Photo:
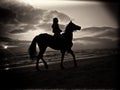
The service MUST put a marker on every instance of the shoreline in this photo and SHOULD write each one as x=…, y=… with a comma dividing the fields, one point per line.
x=17, y=66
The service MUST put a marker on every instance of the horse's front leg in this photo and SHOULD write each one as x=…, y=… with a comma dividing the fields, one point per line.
x=62, y=58
x=72, y=53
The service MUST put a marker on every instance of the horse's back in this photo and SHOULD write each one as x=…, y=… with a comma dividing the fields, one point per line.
x=44, y=35
x=55, y=42
x=51, y=37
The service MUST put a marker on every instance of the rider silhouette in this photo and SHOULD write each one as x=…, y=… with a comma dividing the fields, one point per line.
x=55, y=26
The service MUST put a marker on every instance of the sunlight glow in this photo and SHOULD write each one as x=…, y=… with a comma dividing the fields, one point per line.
x=5, y=46
x=7, y=68
x=30, y=34
x=45, y=2
x=52, y=3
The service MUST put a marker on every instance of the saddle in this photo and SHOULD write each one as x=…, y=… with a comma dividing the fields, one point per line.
x=58, y=36
x=60, y=39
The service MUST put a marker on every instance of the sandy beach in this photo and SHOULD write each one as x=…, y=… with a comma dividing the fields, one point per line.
x=94, y=73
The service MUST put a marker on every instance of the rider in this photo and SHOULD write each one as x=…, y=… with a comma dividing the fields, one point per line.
x=55, y=26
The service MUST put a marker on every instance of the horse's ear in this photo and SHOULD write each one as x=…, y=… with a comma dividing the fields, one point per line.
x=71, y=21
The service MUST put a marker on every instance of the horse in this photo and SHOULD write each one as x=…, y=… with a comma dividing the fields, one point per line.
x=62, y=43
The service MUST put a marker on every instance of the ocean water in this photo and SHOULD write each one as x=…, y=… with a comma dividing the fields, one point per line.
x=18, y=57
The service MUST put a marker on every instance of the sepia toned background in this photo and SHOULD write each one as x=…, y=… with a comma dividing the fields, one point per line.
x=22, y=20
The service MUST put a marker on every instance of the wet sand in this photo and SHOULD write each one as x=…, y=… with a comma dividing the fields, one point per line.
x=94, y=73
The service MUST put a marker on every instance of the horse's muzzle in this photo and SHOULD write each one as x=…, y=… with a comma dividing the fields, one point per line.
x=79, y=28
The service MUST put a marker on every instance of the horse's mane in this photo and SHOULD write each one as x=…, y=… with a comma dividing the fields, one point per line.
x=67, y=27
x=70, y=27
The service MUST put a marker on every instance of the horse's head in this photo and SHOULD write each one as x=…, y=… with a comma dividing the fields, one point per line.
x=72, y=27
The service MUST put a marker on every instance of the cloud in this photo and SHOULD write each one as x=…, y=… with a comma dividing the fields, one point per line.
x=94, y=39
x=108, y=33
x=22, y=28
x=17, y=31
x=49, y=15
x=91, y=43
x=99, y=37
x=47, y=26
x=99, y=32
x=7, y=16
x=6, y=28
x=25, y=13
x=5, y=39
x=23, y=18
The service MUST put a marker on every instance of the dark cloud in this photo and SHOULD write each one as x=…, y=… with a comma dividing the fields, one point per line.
x=22, y=29
x=6, y=15
x=17, y=31
x=5, y=28
x=5, y=39
x=25, y=13
x=15, y=13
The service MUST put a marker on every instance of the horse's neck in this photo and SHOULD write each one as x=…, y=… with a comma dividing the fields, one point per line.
x=68, y=36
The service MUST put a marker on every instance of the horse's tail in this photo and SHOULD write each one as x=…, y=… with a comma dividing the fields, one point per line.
x=32, y=48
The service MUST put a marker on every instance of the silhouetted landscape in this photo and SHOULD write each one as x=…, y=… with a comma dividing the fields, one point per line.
x=16, y=54
x=97, y=68
x=97, y=64
x=96, y=45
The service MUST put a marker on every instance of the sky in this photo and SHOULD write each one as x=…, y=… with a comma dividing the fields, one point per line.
x=24, y=19
x=85, y=13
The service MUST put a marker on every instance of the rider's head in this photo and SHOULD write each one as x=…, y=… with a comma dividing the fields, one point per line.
x=55, y=20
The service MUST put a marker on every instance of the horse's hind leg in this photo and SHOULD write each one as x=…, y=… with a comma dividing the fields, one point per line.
x=72, y=53
x=37, y=63
x=40, y=56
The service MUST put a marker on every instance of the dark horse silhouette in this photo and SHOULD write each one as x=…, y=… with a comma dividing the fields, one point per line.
x=63, y=43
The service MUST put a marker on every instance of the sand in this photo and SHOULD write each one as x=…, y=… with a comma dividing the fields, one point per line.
x=94, y=73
